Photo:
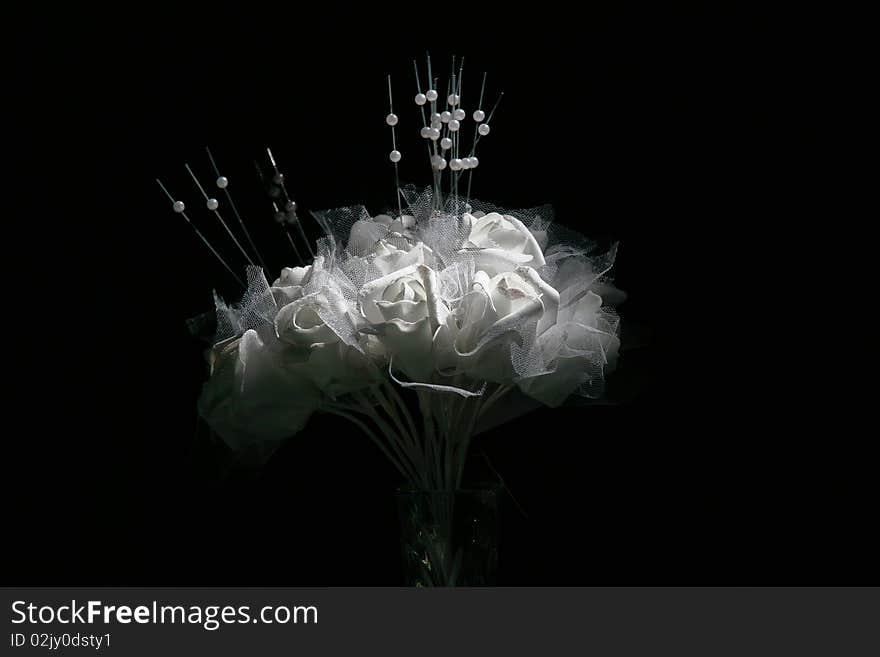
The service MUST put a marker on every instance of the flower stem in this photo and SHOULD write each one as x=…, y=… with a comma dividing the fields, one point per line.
x=407, y=473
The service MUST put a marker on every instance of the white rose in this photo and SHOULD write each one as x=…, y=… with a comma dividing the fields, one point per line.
x=388, y=258
x=404, y=307
x=579, y=350
x=401, y=225
x=334, y=366
x=258, y=393
x=501, y=243
x=289, y=286
x=477, y=337
x=365, y=233
x=300, y=321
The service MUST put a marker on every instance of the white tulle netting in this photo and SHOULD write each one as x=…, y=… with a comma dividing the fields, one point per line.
x=508, y=296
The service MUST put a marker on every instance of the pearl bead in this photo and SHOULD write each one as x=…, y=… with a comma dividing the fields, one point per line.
x=453, y=99
x=445, y=116
x=431, y=95
x=464, y=164
x=479, y=115
x=213, y=204
x=420, y=99
x=455, y=164
x=483, y=129
x=291, y=206
x=278, y=178
x=178, y=206
x=222, y=182
x=442, y=164
x=435, y=117
x=454, y=125
x=425, y=132
x=280, y=217
x=458, y=114
x=473, y=162
x=394, y=156
x=436, y=160
x=436, y=124
x=446, y=143
x=433, y=133
x=391, y=119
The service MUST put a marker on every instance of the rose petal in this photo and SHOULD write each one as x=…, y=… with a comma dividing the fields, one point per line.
x=408, y=311
x=299, y=322
x=410, y=345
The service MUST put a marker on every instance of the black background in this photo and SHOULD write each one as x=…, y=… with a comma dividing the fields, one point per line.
x=726, y=460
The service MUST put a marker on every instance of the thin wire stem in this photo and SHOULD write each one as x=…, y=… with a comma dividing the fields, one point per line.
x=222, y=222
x=402, y=404
x=342, y=411
x=279, y=180
x=235, y=211
x=476, y=139
x=390, y=412
x=293, y=244
x=202, y=237
x=417, y=453
x=479, y=136
x=394, y=148
x=394, y=439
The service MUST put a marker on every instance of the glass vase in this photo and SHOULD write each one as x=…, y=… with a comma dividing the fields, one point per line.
x=449, y=538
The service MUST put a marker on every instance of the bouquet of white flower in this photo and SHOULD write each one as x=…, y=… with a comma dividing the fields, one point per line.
x=448, y=301
x=459, y=309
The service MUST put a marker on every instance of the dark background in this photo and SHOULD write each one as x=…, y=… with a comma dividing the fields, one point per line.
x=726, y=457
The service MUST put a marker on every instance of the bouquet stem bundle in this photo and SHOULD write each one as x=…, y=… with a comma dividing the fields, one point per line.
x=431, y=454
